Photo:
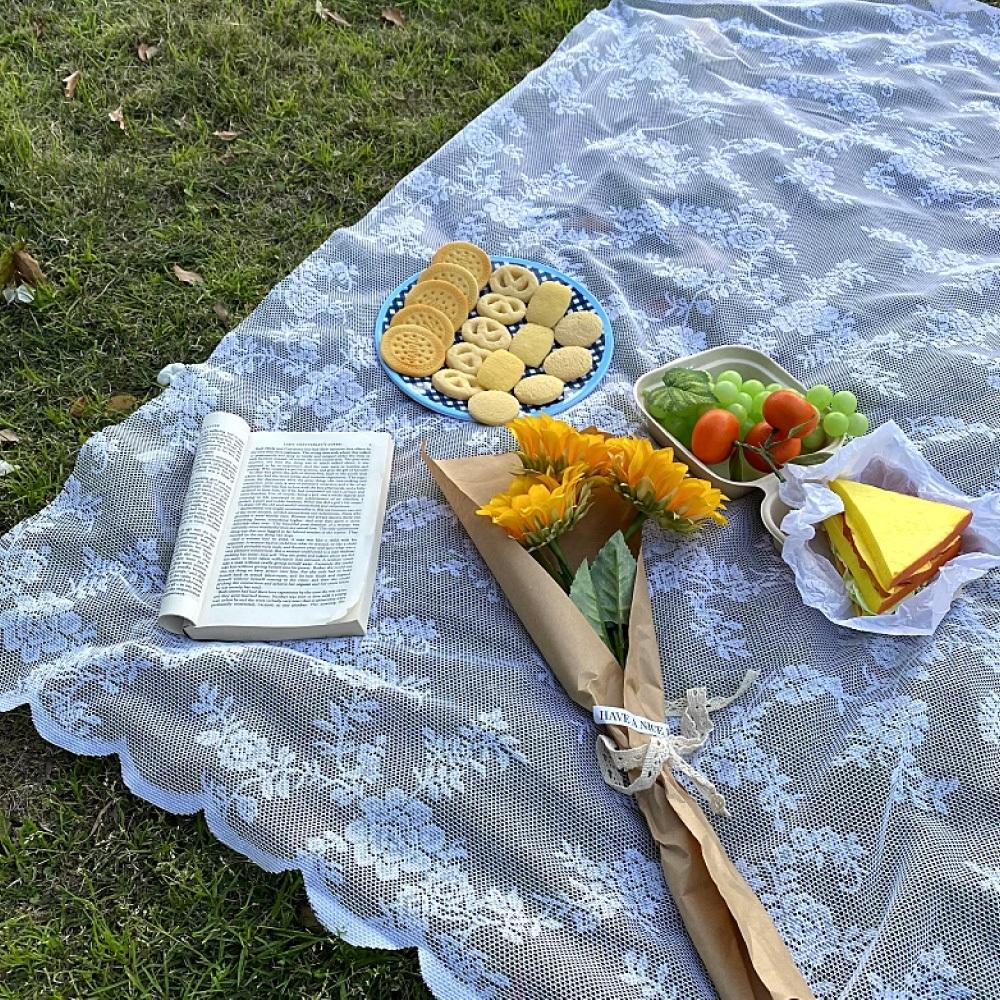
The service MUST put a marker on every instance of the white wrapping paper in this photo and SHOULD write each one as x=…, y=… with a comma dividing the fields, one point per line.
x=885, y=458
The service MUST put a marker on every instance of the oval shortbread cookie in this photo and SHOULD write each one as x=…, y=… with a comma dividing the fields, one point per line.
x=515, y=280
x=441, y=295
x=457, y=385
x=531, y=343
x=549, y=303
x=428, y=317
x=537, y=390
x=501, y=370
x=502, y=308
x=579, y=329
x=568, y=363
x=486, y=333
x=461, y=277
x=466, y=358
x=471, y=257
x=493, y=407
x=412, y=350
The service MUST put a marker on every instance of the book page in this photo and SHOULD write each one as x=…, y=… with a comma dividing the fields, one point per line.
x=214, y=479
x=302, y=530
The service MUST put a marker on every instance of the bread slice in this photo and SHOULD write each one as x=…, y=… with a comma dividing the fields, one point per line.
x=872, y=598
x=897, y=534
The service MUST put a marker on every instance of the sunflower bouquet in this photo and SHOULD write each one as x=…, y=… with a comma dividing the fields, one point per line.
x=558, y=523
x=562, y=471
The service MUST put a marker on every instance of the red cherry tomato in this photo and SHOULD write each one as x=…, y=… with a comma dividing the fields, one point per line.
x=785, y=410
x=714, y=436
x=782, y=449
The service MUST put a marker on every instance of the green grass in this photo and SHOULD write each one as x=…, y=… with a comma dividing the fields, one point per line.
x=102, y=894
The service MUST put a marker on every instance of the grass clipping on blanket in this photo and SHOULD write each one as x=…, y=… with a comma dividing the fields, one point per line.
x=736, y=939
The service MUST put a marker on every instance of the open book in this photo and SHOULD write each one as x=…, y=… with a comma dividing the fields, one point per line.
x=279, y=535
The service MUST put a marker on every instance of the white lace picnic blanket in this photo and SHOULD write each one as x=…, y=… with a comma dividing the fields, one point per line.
x=817, y=180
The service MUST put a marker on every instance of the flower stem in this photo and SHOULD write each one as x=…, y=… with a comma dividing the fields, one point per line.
x=544, y=559
x=635, y=526
x=567, y=573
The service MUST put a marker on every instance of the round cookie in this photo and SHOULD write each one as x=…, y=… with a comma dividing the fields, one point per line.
x=514, y=280
x=549, y=304
x=469, y=256
x=568, y=363
x=429, y=318
x=501, y=370
x=457, y=385
x=502, y=308
x=531, y=343
x=412, y=350
x=466, y=358
x=461, y=277
x=441, y=295
x=537, y=390
x=486, y=333
x=493, y=407
x=579, y=329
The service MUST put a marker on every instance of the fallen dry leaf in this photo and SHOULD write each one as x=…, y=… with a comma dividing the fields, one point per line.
x=118, y=117
x=78, y=407
x=188, y=277
x=70, y=83
x=27, y=268
x=7, y=436
x=226, y=135
x=122, y=402
x=325, y=14
x=146, y=52
x=394, y=16
x=221, y=311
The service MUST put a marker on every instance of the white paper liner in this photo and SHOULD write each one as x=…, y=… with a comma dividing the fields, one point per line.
x=885, y=458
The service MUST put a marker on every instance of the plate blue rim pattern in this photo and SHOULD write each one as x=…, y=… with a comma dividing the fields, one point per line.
x=420, y=389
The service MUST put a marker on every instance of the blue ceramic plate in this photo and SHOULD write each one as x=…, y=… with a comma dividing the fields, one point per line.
x=421, y=390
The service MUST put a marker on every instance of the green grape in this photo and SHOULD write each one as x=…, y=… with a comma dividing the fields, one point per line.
x=753, y=386
x=819, y=395
x=835, y=423
x=730, y=376
x=745, y=428
x=739, y=411
x=743, y=399
x=857, y=424
x=725, y=392
x=757, y=407
x=844, y=402
x=814, y=440
x=773, y=387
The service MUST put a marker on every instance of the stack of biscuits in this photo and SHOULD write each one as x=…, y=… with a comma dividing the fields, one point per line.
x=501, y=334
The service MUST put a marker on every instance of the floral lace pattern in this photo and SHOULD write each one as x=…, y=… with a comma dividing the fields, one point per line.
x=814, y=179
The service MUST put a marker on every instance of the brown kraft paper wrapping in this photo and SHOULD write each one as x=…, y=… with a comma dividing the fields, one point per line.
x=736, y=939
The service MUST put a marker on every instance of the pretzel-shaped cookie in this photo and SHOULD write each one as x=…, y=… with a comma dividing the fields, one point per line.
x=486, y=333
x=514, y=281
x=465, y=357
x=502, y=308
x=457, y=385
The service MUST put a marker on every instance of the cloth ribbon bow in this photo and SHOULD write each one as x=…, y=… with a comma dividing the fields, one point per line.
x=670, y=749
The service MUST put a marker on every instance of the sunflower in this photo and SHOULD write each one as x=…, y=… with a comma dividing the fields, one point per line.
x=539, y=507
x=661, y=488
x=550, y=446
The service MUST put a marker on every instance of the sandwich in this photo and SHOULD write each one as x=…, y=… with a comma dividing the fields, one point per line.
x=886, y=545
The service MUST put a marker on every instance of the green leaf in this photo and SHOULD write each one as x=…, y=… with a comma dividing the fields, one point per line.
x=736, y=464
x=682, y=390
x=685, y=395
x=614, y=580
x=816, y=458
x=583, y=595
